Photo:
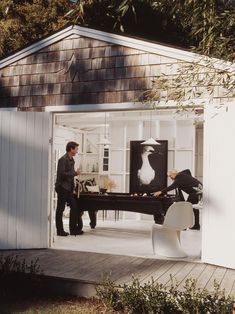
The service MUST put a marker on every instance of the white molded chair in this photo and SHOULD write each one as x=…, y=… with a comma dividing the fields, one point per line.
x=166, y=237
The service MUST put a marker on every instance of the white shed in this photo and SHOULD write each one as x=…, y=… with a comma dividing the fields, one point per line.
x=83, y=70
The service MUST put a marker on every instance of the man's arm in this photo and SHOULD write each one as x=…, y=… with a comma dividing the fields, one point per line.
x=171, y=187
x=165, y=190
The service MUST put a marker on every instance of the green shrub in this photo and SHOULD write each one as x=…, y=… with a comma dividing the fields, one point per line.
x=154, y=298
x=110, y=294
x=18, y=278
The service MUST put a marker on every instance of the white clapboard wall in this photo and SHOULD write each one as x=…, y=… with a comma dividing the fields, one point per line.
x=24, y=145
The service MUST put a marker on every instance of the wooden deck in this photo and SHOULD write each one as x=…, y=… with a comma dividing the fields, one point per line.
x=88, y=268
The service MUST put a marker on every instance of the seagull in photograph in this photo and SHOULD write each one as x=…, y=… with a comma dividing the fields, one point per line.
x=146, y=173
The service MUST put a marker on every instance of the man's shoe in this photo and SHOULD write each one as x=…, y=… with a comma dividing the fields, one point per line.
x=62, y=234
x=77, y=233
x=195, y=227
x=92, y=226
x=80, y=232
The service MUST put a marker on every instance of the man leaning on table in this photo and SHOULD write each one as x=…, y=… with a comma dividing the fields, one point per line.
x=184, y=181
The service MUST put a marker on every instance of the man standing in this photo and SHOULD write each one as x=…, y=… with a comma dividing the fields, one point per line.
x=64, y=187
x=183, y=181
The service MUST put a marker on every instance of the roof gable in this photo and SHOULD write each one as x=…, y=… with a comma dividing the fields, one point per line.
x=84, y=66
x=179, y=54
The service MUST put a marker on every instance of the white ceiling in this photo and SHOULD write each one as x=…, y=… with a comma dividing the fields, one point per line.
x=88, y=121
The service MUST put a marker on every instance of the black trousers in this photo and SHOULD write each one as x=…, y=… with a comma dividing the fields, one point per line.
x=75, y=216
x=93, y=217
x=194, y=199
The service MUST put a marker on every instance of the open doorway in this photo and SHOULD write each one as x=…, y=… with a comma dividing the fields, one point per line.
x=122, y=232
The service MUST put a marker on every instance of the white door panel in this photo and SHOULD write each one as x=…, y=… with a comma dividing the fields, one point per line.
x=24, y=145
x=219, y=173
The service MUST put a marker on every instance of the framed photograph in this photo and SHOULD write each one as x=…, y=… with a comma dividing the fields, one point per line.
x=148, y=167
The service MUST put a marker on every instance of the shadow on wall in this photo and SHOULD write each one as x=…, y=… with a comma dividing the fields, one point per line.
x=110, y=74
x=6, y=99
x=23, y=180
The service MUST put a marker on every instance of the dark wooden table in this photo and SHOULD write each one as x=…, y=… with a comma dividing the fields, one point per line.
x=150, y=205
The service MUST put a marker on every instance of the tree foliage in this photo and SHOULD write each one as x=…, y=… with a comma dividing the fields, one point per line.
x=210, y=24
x=23, y=22
x=207, y=26
x=192, y=85
x=132, y=17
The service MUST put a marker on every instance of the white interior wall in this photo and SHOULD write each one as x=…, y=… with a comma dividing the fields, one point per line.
x=61, y=136
x=122, y=128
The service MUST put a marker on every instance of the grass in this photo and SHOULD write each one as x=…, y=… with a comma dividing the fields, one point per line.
x=23, y=291
x=53, y=305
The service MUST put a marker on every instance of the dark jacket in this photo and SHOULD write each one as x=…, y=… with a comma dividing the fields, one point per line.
x=65, y=173
x=184, y=182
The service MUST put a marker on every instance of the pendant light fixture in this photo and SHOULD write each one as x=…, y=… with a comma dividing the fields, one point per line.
x=151, y=140
x=104, y=141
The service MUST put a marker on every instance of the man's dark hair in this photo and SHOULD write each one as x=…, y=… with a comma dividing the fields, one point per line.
x=71, y=145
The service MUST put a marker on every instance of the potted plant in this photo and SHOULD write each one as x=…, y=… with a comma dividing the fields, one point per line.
x=109, y=184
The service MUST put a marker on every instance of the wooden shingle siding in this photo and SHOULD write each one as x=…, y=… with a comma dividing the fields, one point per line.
x=77, y=70
x=71, y=68
x=82, y=70
x=42, y=57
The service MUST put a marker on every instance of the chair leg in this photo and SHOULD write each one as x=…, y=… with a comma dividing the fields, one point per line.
x=166, y=242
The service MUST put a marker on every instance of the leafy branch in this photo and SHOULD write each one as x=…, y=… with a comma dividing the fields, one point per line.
x=192, y=84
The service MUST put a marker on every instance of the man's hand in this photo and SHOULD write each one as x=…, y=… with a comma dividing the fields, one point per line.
x=157, y=193
x=77, y=171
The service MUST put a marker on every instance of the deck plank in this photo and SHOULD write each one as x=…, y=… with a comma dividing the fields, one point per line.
x=163, y=267
x=183, y=273
x=217, y=276
x=165, y=278
x=147, y=274
x=90, y=267
x=205, y=276
x=110, y=268
x=125, y=275
x=228, y=281
x=194, y=274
